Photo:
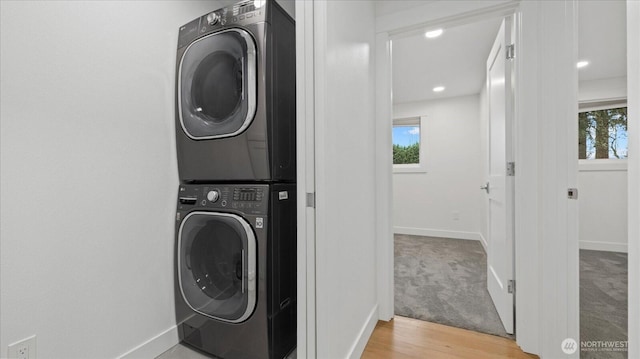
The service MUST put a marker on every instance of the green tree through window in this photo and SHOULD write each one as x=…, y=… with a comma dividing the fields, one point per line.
x=406, y=154
x=406, y=141
x=602, y=134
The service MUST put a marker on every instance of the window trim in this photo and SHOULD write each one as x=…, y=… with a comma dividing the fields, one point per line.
x=602, y=165
x=595, y=105
x=420, y=167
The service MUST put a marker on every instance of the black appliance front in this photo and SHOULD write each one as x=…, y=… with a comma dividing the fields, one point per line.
x=235, y=113
x=236, y=269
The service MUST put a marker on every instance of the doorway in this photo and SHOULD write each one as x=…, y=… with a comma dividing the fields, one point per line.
x=545, y=219
x=603, y=179
x=441, y=149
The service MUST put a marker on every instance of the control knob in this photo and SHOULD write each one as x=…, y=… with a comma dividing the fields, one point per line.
x=213, y=195
x=213, y=18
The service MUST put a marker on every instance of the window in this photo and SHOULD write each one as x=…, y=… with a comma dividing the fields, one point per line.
x=603, y=133
x=408, y=144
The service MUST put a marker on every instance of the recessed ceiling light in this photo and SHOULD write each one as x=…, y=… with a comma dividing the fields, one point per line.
x=438, y=89
x=433, y=33
x=582, y=64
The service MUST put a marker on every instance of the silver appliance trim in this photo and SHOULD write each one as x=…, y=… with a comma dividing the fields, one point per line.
x=251, y=76
x=251, y=265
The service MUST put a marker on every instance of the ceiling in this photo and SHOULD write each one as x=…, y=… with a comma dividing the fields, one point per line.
x=602, y=38
x=457, y=59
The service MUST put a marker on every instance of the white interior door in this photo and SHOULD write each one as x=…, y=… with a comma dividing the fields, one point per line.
x=500, y=258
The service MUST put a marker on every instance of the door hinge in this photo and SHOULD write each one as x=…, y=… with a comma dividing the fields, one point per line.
x=511, y=286
x=311, y=200
x=511, y=168
x=572, y=193
x=511, y=52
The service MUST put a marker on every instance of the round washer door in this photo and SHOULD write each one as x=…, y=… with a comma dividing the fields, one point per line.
x=217, y=85
x=217, y=265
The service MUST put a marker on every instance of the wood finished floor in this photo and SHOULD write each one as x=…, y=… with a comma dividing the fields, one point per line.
x=411, y=338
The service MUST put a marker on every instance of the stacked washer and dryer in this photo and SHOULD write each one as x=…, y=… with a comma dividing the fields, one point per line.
x=236, y=210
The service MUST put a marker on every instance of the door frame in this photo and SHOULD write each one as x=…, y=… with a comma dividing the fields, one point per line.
x=306, y=53
x=546, y=266
x=389, y=27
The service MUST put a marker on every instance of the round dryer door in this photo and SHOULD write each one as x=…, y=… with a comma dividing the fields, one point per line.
x=217, y=265
x=217, y=85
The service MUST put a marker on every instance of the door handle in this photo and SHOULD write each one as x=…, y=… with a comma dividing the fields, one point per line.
x=485, y=187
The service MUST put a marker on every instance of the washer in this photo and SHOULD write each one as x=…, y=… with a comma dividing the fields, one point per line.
x=236, y=269
x=235, y=112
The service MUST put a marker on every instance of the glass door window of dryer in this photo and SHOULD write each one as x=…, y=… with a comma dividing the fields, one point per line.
x=217, y=265
x=217, y=85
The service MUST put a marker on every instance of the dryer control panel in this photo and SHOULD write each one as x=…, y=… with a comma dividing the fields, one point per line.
x=249, y=199
x=241, y=14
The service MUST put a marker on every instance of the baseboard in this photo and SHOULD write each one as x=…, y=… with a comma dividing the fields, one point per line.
x=603, y=246
x=365, y=333
x=483, y=240
x=429, y=232
x=154, y=346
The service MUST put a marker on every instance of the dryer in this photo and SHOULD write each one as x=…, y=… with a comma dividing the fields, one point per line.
x=236, y=269
x=235, y=112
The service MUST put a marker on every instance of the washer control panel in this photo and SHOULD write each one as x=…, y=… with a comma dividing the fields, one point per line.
x=213, y=195
x=248, y=194
x=250, y=199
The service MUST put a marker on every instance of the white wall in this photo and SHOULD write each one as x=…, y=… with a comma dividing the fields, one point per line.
x=613, y=88
x=603, y=183
x=603, y=205
x=633, y=74
x=89, y=174
x=345, y=178
x=425, y=203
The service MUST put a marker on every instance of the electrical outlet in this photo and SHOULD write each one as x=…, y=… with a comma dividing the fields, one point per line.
x=24, y=349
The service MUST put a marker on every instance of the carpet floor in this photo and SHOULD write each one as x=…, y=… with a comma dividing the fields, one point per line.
x=603, y=302
x=444, y=281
